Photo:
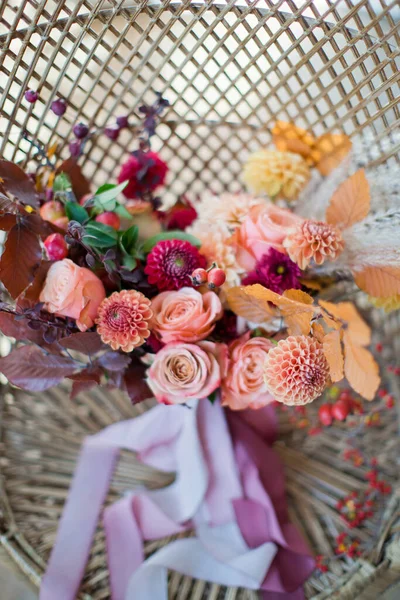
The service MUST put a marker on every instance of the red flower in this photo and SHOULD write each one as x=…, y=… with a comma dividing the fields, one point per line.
x=171, y=263
x=145, y=172
x=179, y=216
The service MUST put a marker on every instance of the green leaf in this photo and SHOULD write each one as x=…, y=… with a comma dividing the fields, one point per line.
x=122, y=212
x=62, y=183
x=213, y=396
x=76, y=212
x=109, y=192
x=170, y=235
x=129, y=262
x=98, y=235
x=129, y=239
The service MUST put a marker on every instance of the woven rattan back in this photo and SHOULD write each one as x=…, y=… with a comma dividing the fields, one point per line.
x=229, y=69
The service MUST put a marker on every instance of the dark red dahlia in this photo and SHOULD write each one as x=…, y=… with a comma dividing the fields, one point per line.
x=171, y=263
x=145, y=172
x=275, y=271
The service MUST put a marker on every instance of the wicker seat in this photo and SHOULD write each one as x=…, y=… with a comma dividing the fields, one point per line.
x=230, y=69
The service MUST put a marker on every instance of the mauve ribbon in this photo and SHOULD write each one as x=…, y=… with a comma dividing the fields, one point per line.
x=229, y=487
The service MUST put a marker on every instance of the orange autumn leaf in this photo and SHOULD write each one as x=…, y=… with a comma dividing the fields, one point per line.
x=351, y=320
x=333, y=353
x=254, y=300
x=351, y=201
x=360, y=367
x=318, y=332
x=381, y=282
x=298, y=296
x=249, y=307
x=329, y=150
x=289, y=138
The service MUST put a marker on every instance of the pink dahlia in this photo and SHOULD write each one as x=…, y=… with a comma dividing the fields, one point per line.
x=145, y=172
x=123, y=320
x=171, y=263
x=275, y=271
x=296, y=370
x=314, y=240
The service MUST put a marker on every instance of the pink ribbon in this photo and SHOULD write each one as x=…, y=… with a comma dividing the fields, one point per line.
x=229, y=487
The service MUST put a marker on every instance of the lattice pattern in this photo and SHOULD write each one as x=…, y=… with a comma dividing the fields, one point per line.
x=229, y=69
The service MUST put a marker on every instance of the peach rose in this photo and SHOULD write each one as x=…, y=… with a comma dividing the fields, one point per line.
x=244, y=386
x=185, y=315
x=69, y=289
x=265, y=226
x=182, y=372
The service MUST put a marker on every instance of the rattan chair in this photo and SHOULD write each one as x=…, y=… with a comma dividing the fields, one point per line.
x=229, y=69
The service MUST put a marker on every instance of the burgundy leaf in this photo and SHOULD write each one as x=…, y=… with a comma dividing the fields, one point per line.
x=21, y=257
x=114, y=361
x=32, y=293
x=19, y=330
x=7, y=221
x=88, y=342
x=135, y=383
x=80, y=184
x=81, y=386
x=84, y=381
x=18, y=183
x=30, y=368
x=39, y=226
x=6, y=204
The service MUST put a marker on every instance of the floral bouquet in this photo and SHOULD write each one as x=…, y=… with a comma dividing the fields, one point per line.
x=213, y=302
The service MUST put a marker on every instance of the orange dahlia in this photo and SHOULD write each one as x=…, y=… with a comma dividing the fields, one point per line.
x=314, y=240
x=296, y=370
x=123, y=320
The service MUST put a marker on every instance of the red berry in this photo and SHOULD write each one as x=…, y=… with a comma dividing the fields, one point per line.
x=59, y=107
x=325, y=414
x=379, y=347
x=51, y=211
x=80, y=130
x=340, y=410
x=382, y=393
x=75, y=148
x=112, y=132
x=31, y=96
x=199, y=277
x=390, y=402
x=216, y=277
x=109, y=218
x=122, y=121
x=56, y=246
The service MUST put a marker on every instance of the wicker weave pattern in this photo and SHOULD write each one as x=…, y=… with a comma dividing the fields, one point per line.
x=230, y=69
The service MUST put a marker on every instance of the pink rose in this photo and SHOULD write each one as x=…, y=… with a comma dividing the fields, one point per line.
x=244, y=387
x=182, y=372
x=70, y=289
x=265, y=226
x=185, y=315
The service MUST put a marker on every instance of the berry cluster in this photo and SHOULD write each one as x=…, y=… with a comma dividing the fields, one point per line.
x=358, y=506
x=213, y=277
x=340, y=409
x=346, y=545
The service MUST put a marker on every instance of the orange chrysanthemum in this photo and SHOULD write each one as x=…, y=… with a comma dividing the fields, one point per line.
x=278, y=174
x=296, y=370
x=123, y=320
x=314, y=240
